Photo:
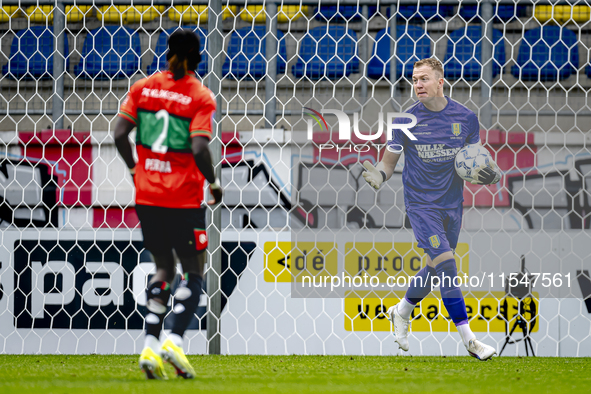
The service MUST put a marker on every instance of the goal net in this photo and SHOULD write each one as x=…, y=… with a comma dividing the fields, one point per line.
x=303, y=90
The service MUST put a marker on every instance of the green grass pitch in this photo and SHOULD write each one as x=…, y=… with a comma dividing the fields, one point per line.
x=298, y=374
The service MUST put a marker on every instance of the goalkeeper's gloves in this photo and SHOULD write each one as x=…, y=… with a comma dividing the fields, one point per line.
x=372, y=176
x=216, y=191
x=486, y=176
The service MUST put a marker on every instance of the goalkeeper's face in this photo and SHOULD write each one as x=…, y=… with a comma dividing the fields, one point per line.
x=427, y=83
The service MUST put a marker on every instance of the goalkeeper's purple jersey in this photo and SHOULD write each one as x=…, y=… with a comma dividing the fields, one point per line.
x=429, y=176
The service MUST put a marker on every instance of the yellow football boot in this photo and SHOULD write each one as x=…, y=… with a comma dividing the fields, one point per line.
x=151, y=364
x=175, y=356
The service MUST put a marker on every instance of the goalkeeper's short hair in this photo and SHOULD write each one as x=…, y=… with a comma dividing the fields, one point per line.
x=431, y=62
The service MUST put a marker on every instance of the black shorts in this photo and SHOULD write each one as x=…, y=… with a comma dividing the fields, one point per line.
x=165, y=229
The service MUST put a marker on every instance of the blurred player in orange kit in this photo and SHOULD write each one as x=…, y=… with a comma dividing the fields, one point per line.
x=172, y=111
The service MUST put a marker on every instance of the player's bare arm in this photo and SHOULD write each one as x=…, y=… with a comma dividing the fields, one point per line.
x=122, y=130
x=202, y=156
x=388, y=163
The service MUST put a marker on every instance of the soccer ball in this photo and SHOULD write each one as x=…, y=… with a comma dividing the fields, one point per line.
x=470, y=159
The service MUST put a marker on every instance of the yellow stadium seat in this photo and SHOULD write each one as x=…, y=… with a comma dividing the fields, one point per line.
x=562, y=13
x=581, y=13
x=9, y=11
x=40, y=14
x=543, y=13
x=291, y=13
x=77, y=13
x=129, y=14
x=73, y=13
x=253, y=12
x=285, y=13
x=111, y=14
x=188, y=14
x=197, y=13
x=229, y=12
x=144, y=13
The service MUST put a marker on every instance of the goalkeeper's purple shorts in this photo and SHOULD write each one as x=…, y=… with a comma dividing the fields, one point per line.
x=436, y=230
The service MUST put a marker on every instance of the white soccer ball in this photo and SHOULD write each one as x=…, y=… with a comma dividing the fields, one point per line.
x=470, y=159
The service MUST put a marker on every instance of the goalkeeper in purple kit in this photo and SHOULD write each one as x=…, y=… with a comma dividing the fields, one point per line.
x=433, y=196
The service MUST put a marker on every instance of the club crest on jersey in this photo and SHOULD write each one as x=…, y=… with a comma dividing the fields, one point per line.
x=456, y=128
x=434, y=241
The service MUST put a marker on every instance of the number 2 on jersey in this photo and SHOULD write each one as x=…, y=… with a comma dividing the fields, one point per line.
x=158, y=146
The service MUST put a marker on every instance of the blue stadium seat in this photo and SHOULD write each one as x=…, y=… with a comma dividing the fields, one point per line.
x=345, y=13
x=327, y=52
x=428, y=12
x=462, y=55
x=246, y=53
x=34, y=59
x=159, y=62
x=503, y=12
x=588, y=70
x=110, y=52
x=548, y=58
x=413, y=44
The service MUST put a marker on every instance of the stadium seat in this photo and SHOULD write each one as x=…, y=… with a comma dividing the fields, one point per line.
x=78, y=13
x=285, y=13
x=8, y=12
x=159, y=62
x=129, y=14
x=197, y=13
x=246, y=53
x=344, y=13
x=31, y=54
x=413, y=44
x=327, y=52
x=44, y=14
x=102, y=60
x=502, y=13
x=462, y=60
x=561, y=14
x=418, y=14
x=547, y=58
x=40, y=14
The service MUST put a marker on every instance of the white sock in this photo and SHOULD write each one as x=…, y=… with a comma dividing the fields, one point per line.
x=405, y=308
x=152, y=342
x=466, y=333
x=176, y=339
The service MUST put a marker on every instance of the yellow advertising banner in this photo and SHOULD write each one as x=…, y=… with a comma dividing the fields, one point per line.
x=385, y=259
x=487, y=311
x=381, y=259
x=304, y=259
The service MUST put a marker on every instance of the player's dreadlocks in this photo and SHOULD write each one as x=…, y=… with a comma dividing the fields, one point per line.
x=183, y=52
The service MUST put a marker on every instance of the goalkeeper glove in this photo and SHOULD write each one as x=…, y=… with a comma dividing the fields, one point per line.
x=486, y=176
x=372, y=176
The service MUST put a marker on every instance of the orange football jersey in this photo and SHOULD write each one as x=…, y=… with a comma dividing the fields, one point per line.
x=168, y=114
